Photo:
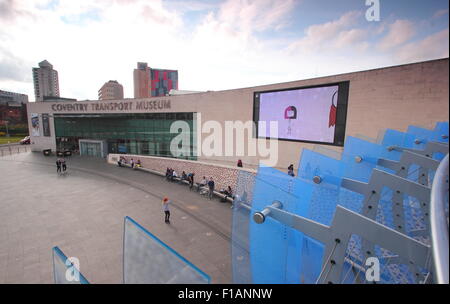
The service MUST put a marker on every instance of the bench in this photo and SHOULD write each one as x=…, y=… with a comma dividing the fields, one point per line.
x=178, y=179
x=150, y=171
x=221, y=195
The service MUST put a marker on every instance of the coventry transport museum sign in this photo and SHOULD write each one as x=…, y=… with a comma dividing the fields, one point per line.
x=104, y=106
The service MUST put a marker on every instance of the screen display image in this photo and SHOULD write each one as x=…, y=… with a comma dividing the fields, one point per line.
x=314, y=114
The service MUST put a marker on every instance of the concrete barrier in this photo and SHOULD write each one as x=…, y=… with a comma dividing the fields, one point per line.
x=222, y=175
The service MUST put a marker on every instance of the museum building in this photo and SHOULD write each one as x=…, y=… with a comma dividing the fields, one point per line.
x=311, y=112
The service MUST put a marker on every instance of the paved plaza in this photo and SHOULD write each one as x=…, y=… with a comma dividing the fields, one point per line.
x=83, y=211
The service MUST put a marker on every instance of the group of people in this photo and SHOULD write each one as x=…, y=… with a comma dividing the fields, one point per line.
x=122, y=160
x=134, y=164
x=209, y=185
x=171, y=174
x=204, y=186
x=61, y=163
x=228, y=193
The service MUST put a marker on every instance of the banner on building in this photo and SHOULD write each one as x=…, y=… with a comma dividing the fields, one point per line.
x=35, y=131
x=45, y=125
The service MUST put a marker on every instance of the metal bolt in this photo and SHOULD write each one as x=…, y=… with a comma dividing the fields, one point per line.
x=259, y=218
x=317, y=179
x=358, y=159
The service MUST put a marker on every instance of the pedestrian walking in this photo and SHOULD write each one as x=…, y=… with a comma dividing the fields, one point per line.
x=58, y=165
x=166, y=210
x=191, y=180
x=211, y=188
x=63, y=164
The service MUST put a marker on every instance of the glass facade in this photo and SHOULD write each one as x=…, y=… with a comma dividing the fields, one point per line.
x=141, y=134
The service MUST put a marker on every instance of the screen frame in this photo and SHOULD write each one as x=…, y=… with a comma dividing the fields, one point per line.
x=341, y=112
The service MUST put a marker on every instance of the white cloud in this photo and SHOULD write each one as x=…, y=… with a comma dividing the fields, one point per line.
x=354, y=38
x=88, y=54
x=440, y=13
x=399, y=32
x=432, y=47
x=255, y=15
x=224, y=50
x=102, y=40
x=322, y=36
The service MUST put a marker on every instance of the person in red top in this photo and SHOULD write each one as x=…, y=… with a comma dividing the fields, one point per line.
x=165, y=203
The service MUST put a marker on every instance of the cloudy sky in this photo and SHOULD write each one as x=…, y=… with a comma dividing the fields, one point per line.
x=214, y=45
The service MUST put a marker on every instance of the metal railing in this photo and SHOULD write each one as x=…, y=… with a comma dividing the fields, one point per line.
x=13, y=149
x=439, y=223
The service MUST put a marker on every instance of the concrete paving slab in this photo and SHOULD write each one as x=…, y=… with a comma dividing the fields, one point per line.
x=82, y=212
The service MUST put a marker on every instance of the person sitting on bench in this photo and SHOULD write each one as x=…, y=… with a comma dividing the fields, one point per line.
x=202, y=184
x=184, y=176
x=137, y=164
x=168, y=173
x=228, y=193
x=174, y=175
x=121, y=161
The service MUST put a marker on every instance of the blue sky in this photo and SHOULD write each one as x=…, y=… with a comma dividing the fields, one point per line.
x=215, y=45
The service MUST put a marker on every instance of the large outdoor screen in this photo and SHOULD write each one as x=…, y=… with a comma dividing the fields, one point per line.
x=309, y=114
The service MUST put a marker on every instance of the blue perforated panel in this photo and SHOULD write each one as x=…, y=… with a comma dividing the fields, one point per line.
x=274, y=253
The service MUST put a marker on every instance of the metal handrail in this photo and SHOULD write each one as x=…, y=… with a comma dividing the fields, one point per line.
x=439, y=224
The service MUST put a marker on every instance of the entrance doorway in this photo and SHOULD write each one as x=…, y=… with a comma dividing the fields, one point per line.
x=91, y=148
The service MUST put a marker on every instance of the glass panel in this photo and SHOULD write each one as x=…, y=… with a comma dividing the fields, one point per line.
x=64, y=272
x=124, y=133
x=148, y=260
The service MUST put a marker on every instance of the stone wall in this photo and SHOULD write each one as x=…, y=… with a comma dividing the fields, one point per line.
x=222, y=175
